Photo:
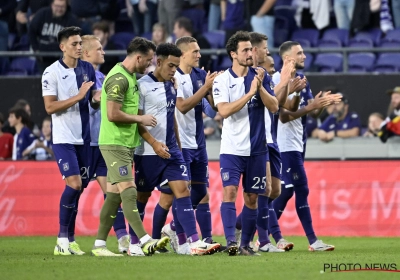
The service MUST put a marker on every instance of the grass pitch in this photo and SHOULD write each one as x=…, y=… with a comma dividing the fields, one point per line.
x=32, y=258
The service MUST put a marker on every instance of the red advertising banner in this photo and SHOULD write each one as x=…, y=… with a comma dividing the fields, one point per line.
x=347, y=198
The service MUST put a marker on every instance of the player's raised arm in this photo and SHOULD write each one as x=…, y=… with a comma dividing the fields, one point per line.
x=269, y=100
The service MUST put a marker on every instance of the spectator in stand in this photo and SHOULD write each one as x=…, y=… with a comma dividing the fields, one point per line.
x=143, y=14
x=396, y=12
x=41, y=148
x=6, y=142
x=232, y=16
x=23, y=138
x=101, y=30
x=341, y=123
x=375, y=121
x=45, y=26
x=6, y=9
x=168, y=11
x=343, y=12
x=262, y=18
x=91, y=11
x=26, y=10
x=22, y=103
x=214, y=15
x=183, y=27
x=394, y=106
x=211, y=129
x=158, y=36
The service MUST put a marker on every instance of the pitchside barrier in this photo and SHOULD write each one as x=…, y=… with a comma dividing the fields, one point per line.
x=347, y=198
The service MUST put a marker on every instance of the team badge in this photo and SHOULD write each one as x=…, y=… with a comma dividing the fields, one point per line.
x=199, y=83
x=173, y=90
x=295, y=176
x=271, y=85
x=123, y=170
x=85, y=78
x=225, y=176
x=141, y=182
x=66, y=166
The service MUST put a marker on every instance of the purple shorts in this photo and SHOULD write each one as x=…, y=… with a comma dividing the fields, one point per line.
x=253, y=169
x=98, y=166
x=293, y=172
x=152, y=171
x=73, y=160
x=275, y=161
x=197, y=163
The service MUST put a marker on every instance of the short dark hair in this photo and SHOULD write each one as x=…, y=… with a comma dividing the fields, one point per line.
x=185, y=40
x=257, y=38
x=20, y=113
x=140, y=45
x=184, y=22
x=167, y=49
x=234, y=40
x=1, y=119
x=21, y=103
x=67, y=32
x=286, y=46
x=101, y=25
x=47, y=118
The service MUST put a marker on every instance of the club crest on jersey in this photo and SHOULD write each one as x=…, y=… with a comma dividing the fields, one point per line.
x=173, y=90
x=295, y=176
x=66, y=166
x=123, y=170
x=141, y=182
x=271, y=85
x=199, y=83
x=225, y=176
x=85, y=78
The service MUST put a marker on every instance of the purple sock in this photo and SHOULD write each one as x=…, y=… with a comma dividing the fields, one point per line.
x=185, y=213
x=228, y=216
x=119, y=224
x=249, y=221
x=71, y=226
x=177, y=225
x=262, y=220
x=140, y=206
x=67, y=208
x=273, y=226
x=159, y=218
x=279, y=206
x=182, y=238
x=203, y=217
x=197, y=193
x=304, y=213
x=239, y=221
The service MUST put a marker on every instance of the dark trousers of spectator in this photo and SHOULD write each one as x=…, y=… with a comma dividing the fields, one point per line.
x=168, y=11
x=3, y=35
x=143, y=23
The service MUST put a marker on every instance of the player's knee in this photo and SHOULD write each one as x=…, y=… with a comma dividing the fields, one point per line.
x=230, y=194
x=166, y=200
x=275, y=193
x=143, y=197
x=250, y=200
x=74, y=182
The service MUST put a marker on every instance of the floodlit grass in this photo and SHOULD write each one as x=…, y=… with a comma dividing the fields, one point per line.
x=32, y=258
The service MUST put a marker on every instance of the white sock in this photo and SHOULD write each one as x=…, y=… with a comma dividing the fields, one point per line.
x=100, y=243
x=63, y=241
x=145, y=238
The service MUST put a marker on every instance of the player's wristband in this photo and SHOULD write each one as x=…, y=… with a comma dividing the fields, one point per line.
x=94, y=101
x=297, y=93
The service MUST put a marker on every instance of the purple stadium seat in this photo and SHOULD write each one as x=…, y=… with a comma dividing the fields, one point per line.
x=390, y=44
x=23, y=44
x=361, y=43
x=304, y=43
x=216, y=39
x=148, y=35
x=308, y=62
x=374, y=34
x=393, y=35
x=281, y=30
x=311, y=35
x=17, y=73
x=329, y=62
x=331, y=43
x=23, y=64
x=341, y=35
x=197, y=16
x=361, y=61
x=4, y=65
x=388, y=62
x=122, y=38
